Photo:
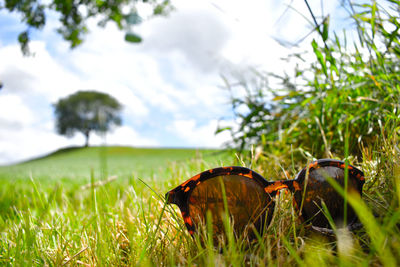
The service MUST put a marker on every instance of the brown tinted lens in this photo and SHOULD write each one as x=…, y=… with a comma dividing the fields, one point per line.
x=247, y=203
x=319, y=190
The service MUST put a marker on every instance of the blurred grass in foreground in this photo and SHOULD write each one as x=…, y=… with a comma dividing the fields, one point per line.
x=49, y=211
x=56, y=218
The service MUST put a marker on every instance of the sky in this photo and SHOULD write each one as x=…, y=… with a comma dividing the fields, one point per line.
x=170, y=84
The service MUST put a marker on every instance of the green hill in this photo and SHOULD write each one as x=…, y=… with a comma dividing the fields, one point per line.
x=52, y=206
x=78, y=162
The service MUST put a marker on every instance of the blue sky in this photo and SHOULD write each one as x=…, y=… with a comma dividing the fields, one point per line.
x=170, y=84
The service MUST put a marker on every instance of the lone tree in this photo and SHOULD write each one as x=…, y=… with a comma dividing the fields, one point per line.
x=86, y=112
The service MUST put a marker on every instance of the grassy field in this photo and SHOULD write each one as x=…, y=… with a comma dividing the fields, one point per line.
x=49, y=212
x=51, y=215
x=74, y=165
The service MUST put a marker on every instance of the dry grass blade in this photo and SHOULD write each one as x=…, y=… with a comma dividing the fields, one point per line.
x=76, y=255
x=99, y=183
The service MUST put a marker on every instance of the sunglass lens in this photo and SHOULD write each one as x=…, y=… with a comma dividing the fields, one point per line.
x=247, y=204
x=321, y=200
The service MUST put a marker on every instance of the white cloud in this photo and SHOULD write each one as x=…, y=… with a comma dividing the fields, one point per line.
x=29, y=142
x=13, y=113
x=198, y=34
x=31, y=85
x=124, y=135
x=40, y=74
x=199, y=135
x=171, y=78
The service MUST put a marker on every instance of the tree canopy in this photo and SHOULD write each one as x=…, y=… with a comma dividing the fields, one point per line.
x=86, y=112
x=73, y=16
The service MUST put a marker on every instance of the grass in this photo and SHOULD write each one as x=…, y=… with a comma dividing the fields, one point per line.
x=75, y=164
x=48, y=216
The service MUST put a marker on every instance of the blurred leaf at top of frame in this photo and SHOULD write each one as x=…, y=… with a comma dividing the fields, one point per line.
x=74, y=15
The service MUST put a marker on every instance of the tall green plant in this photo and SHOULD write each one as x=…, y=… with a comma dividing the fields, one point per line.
x=355, y=84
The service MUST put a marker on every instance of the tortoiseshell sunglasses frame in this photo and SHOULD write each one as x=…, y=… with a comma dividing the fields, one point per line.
x=181, y=193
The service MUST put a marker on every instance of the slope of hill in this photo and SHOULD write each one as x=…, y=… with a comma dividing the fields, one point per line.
x=78, y=162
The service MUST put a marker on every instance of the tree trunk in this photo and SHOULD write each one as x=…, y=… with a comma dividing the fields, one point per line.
x=87, y=133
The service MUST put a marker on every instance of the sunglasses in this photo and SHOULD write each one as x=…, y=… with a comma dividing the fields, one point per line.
x=249, y=198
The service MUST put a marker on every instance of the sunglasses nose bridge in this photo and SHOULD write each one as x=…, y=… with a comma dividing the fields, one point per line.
x=275, y=186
